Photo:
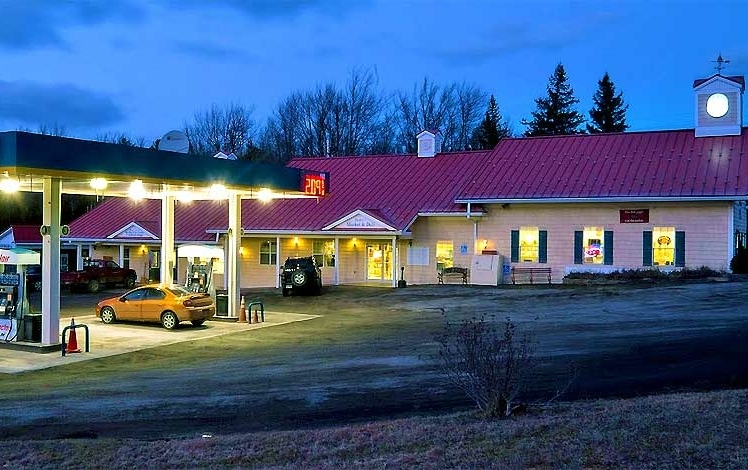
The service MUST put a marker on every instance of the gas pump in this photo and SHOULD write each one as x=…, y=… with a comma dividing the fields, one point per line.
x=9, y=321
x=17, y=323
x=200, y=277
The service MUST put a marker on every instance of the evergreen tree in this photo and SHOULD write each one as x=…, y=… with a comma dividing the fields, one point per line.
x=609, y=112
x=555, y=113
x=492, y=129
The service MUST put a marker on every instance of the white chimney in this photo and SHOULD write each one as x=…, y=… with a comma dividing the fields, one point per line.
x=429, y=143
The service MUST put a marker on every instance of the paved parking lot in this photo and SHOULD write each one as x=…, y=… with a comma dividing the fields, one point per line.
x=121, y=338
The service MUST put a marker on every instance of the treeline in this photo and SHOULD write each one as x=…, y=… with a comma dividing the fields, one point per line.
x=359, y=118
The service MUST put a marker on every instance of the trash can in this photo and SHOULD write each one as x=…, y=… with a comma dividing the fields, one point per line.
x=32, y=327
x=154, y=274
x=222, y=303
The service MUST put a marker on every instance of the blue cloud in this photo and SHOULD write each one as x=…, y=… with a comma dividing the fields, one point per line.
x=276, y=9
x=32, y=104
x=32, y=24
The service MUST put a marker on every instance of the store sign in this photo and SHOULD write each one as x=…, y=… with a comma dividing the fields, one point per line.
x=634, y=216
x=362, y=221
x=314, y=184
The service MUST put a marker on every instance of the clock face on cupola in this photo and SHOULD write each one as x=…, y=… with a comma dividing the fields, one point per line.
x=719, y=105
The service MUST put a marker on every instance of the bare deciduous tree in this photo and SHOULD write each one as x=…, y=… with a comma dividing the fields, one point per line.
x=489, y=365
x=229, y=129
x=327, y=121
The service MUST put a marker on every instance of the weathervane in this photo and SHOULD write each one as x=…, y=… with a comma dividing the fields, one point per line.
x=721, y=63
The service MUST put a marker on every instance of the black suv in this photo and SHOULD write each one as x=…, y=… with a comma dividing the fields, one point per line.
x=301, y=274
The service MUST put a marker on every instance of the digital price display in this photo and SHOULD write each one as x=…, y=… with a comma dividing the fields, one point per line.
x=314, y=184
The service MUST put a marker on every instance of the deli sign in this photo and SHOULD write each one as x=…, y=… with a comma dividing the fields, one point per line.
x=634, y=216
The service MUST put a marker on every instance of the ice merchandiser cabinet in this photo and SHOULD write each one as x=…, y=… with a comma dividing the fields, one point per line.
x=486, y=270
x=16, y=321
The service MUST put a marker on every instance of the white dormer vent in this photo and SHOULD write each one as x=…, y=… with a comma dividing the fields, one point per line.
x=429, y=143
x=719, y=105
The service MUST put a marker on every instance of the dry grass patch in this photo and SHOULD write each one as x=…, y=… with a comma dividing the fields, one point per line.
x=694, y=430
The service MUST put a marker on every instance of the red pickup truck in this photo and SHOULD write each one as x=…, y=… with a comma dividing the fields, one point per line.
x=97, y=273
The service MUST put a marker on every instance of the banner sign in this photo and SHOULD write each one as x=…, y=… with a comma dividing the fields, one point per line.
x=634, y=216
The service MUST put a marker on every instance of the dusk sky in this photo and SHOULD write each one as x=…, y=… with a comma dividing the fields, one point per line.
x=143, y=67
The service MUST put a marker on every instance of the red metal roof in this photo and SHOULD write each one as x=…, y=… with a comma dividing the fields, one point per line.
x=192, y=221
x=668, y=164
x=25, y=234
x=396, y=188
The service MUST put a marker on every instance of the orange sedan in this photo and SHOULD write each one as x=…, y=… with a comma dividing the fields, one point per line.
x=158, y=303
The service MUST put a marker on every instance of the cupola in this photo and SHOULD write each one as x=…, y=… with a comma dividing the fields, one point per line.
x=719, y=105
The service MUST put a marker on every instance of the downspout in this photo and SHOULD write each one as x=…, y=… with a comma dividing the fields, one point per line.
x=336, y=269
x=277, y=261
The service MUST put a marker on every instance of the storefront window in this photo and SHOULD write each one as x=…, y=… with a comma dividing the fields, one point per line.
x=268, y=252
x=529, y=239
x=593, y=245
x=444, y=254
x=663, y=246
x=324, y=252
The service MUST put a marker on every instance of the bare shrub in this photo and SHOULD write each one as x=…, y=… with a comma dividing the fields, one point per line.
x=489, y=363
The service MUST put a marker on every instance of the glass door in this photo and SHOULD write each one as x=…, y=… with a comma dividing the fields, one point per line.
x=379, y=262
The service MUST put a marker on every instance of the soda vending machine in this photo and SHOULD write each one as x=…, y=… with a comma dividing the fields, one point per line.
x=17, y=323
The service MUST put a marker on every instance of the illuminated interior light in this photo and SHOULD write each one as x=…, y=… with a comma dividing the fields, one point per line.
x=9, y=185
x=98, y=183
x=265, y=195
x=137, y=190
x=218, y=191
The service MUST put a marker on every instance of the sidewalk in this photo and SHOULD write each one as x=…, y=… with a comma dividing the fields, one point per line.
x=121, y=338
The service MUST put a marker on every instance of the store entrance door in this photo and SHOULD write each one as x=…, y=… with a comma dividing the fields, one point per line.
x=379, y=262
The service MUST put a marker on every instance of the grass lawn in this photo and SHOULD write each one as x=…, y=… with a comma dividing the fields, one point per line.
x=693, y=430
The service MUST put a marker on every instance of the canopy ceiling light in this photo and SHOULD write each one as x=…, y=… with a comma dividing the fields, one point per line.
x=8, y=184
x=98, y=183
x=265, y=195
x=218, y=191
x=137, y=190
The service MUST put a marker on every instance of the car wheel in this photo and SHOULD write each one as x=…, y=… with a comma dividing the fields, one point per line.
x=169, y=320
x=107, y=315
x=37, y=286
x=130, y=282
x=197, y=322
x=286, y=292
x=94, y=286
x=298, y=278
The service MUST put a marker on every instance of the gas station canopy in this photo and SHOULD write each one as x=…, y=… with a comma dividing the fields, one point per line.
x=27, y=158
x=60, y=165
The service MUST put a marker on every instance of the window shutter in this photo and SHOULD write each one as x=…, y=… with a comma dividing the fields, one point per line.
x=515, y=246
x=608, y=247
x=680, y=249
x=578, y=240
x=647, y=248
x=543, y=246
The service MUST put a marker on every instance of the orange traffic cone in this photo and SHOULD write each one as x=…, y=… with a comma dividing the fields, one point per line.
x=242, y=312
x=72, y=340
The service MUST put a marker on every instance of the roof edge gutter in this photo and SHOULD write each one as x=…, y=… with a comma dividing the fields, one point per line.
x=601, y=199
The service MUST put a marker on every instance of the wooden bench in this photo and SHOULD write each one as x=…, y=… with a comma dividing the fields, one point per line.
x=531, y=273
x=453, y=272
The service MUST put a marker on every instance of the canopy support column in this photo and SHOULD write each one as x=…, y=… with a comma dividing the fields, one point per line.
x=167, y=237
x=233, y=258
x=51, y=261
